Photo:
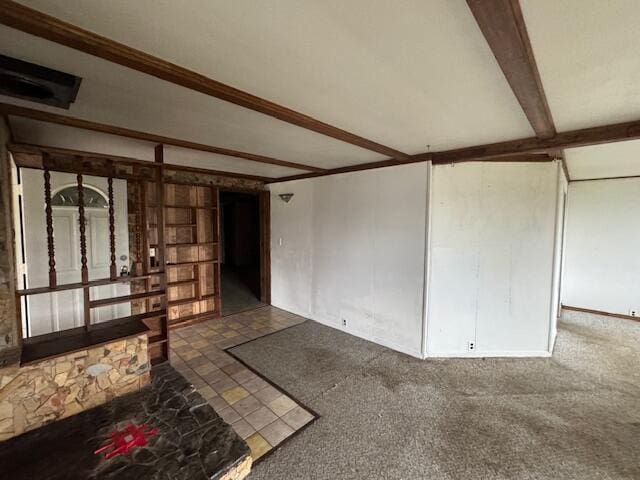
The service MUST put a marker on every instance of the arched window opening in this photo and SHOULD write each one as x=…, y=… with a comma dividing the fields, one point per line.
x=68, y=197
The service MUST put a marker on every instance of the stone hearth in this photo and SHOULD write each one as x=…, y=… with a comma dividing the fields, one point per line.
x=192, y=441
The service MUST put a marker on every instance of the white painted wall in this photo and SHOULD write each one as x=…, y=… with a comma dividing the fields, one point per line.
x=353, y=248
x=602, y=267
x=493, y=236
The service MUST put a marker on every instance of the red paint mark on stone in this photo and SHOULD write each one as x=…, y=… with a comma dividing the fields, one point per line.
x=121, y=442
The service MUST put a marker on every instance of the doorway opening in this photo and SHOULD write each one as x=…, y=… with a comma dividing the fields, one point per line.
x=240, y=242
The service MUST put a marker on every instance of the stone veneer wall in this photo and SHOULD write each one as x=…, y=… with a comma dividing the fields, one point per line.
x=8, y=315
x=201, y=178
x=34, y=395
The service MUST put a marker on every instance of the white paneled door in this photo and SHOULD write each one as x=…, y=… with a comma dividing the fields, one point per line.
x=63, y=310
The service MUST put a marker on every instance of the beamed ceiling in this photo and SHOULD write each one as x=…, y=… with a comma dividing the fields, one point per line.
x=295, y=87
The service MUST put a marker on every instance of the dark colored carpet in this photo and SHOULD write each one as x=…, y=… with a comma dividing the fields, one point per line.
x=236, y=295
x=387, y=415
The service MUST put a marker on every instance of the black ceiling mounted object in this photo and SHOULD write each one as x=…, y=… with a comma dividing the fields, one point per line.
x=29, y=81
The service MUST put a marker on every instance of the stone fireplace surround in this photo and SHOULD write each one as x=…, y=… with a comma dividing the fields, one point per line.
x=192, y=441
x=42, y=392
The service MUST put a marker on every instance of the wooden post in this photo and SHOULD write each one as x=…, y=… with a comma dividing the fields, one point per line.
x=159, y=158
x=265, y=246
x=144, y=223
x=138, y=264
x=217, y=267
x=49, y=219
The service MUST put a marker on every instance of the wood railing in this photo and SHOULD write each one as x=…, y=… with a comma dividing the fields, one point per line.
x=139, y=177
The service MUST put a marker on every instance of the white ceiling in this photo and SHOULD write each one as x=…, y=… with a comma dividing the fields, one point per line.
x=587, y=55
x=119, y=96
x=621, y=159
x=40, y=133
x=405, y=74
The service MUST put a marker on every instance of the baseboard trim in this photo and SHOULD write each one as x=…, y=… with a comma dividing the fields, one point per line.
x=600, y=312
x=493, y=354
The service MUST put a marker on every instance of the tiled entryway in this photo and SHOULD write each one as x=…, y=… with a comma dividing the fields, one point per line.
x=259, y=412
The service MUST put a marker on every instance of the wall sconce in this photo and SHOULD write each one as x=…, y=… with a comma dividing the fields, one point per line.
x=286, y=197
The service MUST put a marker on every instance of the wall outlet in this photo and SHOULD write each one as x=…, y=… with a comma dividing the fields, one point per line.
x=633, y=312
x=471, y=345
x=344, y=322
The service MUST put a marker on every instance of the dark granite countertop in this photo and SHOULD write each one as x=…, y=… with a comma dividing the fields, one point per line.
x=192, y=441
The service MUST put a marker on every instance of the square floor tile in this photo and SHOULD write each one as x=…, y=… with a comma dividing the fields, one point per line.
x=297, y=418
x=234, y=395
x=243, y=429
x=223, y=361
x=261, y=418
x=232, y=368
x=207, y=392
x=218, y=403
x=276, y=432
x=282, y=405
x=267, y=395
x=189, y=354
x=255, y=384
x=243, y=376
x=224, y=385
x=229, y=415
x=215, y=376
x=205, y=368
x=258, y=445
x=247, y=405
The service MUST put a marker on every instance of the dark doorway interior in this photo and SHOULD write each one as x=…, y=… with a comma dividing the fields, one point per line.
x=240, y=236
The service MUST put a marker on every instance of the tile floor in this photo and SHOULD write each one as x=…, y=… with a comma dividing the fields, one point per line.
x=259, y=412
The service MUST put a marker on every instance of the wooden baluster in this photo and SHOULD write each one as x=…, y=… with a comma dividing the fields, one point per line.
x=83, y=231
x=49, y=219
x=112, y=231
x=84, y=270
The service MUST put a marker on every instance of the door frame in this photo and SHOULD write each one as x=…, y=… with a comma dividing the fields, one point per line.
x=264, y=225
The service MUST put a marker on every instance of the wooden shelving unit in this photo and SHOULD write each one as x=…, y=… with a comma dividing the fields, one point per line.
x=192, y=252
x=153, y=265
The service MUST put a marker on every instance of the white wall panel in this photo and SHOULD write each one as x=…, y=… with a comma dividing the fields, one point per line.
x=493, y=238
x=353, y=248
x=602, y=266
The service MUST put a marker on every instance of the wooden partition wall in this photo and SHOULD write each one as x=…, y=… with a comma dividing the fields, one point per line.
x=147, y=277
x=174, y=245
x=192, y=252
